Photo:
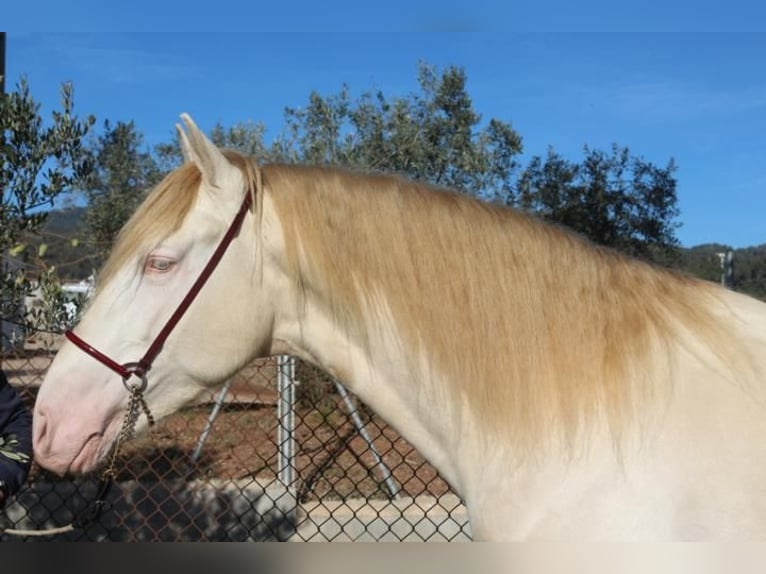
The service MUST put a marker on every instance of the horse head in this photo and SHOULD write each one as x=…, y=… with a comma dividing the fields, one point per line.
x=151, y=309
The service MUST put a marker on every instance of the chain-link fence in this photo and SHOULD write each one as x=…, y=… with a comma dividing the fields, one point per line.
x=282, y=452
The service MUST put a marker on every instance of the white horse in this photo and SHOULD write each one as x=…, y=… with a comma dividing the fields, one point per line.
x=565, y=391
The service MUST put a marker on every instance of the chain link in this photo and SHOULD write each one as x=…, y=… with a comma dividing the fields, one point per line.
x=94, y=509
x=338, y=482
x=128, y=428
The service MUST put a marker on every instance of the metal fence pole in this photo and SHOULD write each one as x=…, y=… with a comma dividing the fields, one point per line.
x=210, y=420
x=388, y=478
x=286, y=418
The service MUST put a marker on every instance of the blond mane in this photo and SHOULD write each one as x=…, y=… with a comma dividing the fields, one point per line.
x=531, y=326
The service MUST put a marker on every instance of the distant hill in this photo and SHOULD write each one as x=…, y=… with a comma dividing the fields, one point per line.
x=66, y=221
x=702, y=261
x=749, y=266
x=750, y=270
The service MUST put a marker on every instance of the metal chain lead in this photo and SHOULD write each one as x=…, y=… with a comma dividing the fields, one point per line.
x=128, y=427
x=94, y=510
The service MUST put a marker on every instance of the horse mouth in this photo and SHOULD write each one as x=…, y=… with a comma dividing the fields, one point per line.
x=89, y=455
x=94, y=449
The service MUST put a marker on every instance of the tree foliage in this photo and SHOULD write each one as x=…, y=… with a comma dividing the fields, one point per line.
x=434, y=135
x=750, y=271
x=247, y=137
x=39, y=161
x=122, y=173
x=615, y=199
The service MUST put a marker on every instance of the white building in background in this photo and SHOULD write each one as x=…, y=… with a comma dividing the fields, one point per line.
x=77, y=291
x=75, y=294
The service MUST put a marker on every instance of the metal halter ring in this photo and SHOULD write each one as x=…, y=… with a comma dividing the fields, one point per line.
x=135, y=370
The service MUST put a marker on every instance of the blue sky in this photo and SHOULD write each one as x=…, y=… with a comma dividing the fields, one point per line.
x=699, y=98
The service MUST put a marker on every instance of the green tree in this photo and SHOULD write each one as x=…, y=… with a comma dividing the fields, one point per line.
x=247, y=137
x=434, y=135
x=123, y=173
x=39, y=161
x=614, y=199
x=167, y=156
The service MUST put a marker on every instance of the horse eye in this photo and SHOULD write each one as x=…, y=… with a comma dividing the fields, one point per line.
x=158, y=264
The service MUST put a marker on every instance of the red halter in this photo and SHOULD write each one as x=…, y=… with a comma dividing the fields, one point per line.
x=143, y=365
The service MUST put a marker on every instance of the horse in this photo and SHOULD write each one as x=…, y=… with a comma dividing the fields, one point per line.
x=565, y=391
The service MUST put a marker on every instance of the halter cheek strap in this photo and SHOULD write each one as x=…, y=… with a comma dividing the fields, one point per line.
x=140, y=368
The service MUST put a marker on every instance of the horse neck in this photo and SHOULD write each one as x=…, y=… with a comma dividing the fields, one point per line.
x=376, y=369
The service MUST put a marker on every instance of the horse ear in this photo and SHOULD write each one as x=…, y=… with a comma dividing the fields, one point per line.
x=183, y=141
x=208, y=158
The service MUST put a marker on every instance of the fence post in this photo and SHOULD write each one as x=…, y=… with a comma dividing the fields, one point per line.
x=286, y=418
x=388, y=478
x=210, y=420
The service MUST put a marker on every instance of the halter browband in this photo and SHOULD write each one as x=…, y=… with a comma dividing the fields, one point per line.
x=143, y=365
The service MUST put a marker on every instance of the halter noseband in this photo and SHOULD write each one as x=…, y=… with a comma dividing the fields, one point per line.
x=141, y=367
